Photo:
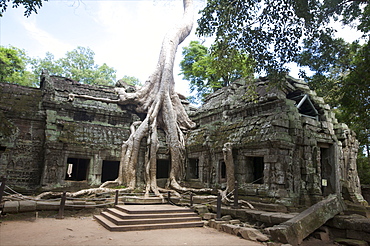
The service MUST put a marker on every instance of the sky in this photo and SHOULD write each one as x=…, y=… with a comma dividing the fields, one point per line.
x=125, y=34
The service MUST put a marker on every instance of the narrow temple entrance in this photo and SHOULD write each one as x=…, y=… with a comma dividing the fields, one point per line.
x=109, y=171
x=255, y=167
x=163, y=168
x=77, y=169
x=327, y=171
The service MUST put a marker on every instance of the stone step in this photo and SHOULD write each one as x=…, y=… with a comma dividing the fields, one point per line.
x=125, y=216
x=118, y=221
x=142, y=200
x=148, y=217
x=152, y=209
x=114, y=227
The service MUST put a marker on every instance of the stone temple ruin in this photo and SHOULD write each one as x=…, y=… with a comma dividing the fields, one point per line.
x=288, y=148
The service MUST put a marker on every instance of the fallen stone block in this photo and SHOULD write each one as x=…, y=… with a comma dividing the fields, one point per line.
x=27, y=206
x=76, y=202
x=11, y=207
x=234, y=222
x=208, y=216
x=271, y=207
x=201, y=209
x=87, y=204
x=216, y=224
x=351, y=242
x=255, y=214
x=226, y=218
x=278, y=218
x=230, y=229
x=252, y=234
x=359, y=235
x=265, y=217
x=299, y=227
x=351, y=222
x=243, y=215
x=43, y=205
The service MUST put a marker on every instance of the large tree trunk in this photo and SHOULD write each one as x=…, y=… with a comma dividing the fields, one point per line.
x=164, y=110
x=230, y=170
x=162, y=106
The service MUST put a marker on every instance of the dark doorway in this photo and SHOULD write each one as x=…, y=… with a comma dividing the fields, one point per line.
x=258, y=166
x=193, y=168
x=254, y=170
x=222, y=171
x=163, y=168
x=77, y=169
x=326, y=172
x=109, y=171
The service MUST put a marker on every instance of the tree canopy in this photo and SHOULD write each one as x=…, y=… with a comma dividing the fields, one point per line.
x=77, y=64
x=277, y=33
x=271, y=31
x=207, y=73
x=13, y=63
x=30, y=6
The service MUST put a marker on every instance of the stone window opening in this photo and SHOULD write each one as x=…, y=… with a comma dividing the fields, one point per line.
x=77, y=169
x=110, y=170
x=193, y=168
x=304, y=104
x=163, y=168
x=255, y=169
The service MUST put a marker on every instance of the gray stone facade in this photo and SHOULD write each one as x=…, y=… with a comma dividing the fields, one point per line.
x=287, y=144
x=283, y=153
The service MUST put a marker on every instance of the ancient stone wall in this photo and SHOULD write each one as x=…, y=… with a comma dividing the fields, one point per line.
x=41, y=133
x=22, y=123
x=84, y=131
x=284, y=152
x=287, y=145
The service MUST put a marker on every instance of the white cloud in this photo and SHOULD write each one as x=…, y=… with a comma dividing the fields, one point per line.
x=126, y=35
x=46, y=42
x=136, y=30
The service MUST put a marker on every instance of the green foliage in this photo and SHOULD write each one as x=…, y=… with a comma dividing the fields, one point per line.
x=271, y=31
x=342, y=79
x=207, y=73
x=29, y=5
x=363, y=168
x=78, y=65
x=130, y=80
x=13, y=63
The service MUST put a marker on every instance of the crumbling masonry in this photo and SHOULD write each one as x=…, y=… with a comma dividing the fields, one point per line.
x=286, y=143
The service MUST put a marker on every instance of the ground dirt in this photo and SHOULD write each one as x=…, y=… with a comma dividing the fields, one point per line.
x=79, y=228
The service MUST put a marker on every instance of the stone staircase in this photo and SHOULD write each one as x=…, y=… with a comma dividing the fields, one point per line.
x=148, y=217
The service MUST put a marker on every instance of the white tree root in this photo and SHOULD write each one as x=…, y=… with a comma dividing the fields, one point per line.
x=230, y=172
x=163, y=109
x=85, y=192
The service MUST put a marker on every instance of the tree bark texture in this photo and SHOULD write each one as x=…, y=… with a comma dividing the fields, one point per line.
x=230, y=170
x=160, y=103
